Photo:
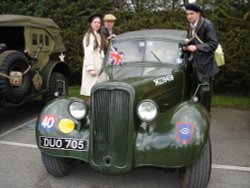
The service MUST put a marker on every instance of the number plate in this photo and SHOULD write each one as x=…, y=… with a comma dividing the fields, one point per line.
x=64, y=143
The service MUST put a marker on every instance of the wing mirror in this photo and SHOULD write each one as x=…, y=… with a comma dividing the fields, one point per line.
x=204, y=86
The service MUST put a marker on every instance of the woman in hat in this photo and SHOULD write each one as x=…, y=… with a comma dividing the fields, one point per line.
x=93, y=55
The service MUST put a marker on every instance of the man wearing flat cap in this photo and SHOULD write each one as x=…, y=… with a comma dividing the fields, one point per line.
x=107, y=29
x=201, y=49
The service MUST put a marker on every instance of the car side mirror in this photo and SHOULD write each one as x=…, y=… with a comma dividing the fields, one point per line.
x=204, y=86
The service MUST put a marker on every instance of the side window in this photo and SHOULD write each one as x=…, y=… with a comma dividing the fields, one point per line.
x=46, y=40
x=34, y=39
x=41, y=39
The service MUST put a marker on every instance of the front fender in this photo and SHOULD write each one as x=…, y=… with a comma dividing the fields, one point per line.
x=47, y=126
x=175, y=139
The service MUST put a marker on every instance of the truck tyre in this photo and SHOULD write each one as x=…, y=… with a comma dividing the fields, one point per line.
x=197, y=175
x=57, y=166
x=55, y=86
x=14, y=61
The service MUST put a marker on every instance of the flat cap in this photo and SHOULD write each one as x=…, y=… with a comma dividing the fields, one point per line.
x=110, y=17
x=193, y=6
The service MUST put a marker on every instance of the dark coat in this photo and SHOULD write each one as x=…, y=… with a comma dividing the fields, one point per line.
x=105, y=31
x=203, y=57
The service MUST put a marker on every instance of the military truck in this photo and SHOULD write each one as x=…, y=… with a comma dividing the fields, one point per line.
x=31, y=60
x=144, y=114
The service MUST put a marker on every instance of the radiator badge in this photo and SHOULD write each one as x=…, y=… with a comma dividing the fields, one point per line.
x=163, y=79
x=184, y=131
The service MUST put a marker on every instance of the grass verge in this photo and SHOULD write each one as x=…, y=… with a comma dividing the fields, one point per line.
x=74, y=91
x=242, y=102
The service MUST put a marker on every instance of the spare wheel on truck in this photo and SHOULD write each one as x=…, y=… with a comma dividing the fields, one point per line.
x=14, y=62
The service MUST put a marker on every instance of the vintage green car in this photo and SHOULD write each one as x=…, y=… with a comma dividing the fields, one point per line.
x=32, y=60
x=143, y=115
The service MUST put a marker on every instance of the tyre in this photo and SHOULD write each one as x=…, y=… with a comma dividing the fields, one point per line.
x=56, y=83
x=197, y=175
x=14, y=61
x=57, y=166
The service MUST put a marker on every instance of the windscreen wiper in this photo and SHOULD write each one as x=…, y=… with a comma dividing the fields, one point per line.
x=156, y=57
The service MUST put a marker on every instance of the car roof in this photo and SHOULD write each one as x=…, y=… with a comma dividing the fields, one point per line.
x=9, y=20
x=168, y=34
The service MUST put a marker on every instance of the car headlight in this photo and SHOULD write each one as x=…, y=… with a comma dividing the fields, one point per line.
x=78, y=110
x=147, y=110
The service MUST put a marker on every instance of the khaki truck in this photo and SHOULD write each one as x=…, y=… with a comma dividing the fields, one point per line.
x=31, y=60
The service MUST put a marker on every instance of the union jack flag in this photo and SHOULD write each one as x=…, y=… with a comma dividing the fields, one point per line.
x=116, y=55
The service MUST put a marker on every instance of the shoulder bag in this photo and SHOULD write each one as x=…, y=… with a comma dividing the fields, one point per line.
x=218, y=54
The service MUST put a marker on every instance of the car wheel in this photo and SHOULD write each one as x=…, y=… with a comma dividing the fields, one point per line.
x=197, y=175
x=14, y=61
x=56, y=83
x=57, y=166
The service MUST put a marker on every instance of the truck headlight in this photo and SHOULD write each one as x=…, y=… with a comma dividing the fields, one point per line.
x=147, y=110
x=78, y=110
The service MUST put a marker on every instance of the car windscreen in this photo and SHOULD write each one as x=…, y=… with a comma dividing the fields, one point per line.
x=144, y=51
x=142, y=58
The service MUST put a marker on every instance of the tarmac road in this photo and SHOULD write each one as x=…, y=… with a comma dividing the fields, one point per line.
x=21, y=165
x=11, y=117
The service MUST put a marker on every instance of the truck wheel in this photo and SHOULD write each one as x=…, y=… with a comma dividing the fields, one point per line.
x=56, y=81
x=57, y=166
x=197, y=175
x=14, y=61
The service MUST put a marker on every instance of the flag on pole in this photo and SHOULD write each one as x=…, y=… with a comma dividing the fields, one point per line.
x=117, y=56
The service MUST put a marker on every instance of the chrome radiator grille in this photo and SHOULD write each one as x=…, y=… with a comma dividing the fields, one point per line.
x=110, y=120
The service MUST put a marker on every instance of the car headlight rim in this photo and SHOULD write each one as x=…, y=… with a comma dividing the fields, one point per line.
x=147, y=110
x=78, y=110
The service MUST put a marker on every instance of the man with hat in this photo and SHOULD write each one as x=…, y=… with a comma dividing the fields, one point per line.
x=107, y=29
x=201, y=49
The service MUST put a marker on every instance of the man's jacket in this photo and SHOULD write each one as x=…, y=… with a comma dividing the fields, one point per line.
x=203, y=57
